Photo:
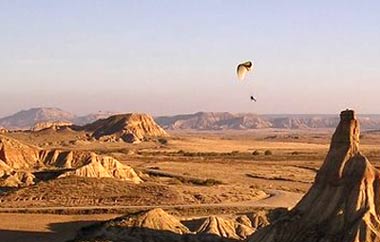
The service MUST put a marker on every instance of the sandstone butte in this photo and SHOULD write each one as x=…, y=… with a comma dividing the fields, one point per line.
x=343, y=204
x=131, y=128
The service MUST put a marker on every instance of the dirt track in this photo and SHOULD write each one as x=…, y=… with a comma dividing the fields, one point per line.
x=277, y=198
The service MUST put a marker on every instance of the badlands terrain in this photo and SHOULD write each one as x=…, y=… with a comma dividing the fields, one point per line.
x=200, y=177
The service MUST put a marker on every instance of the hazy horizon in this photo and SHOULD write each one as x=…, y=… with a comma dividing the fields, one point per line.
x=174, y=114
x=179, y=57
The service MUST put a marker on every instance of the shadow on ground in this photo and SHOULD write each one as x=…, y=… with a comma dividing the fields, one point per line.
x=138, y=234
x=59, y=232
x=66, y=232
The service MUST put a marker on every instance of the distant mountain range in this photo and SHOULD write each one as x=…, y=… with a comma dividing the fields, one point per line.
x=26, y=119
x=243, y=121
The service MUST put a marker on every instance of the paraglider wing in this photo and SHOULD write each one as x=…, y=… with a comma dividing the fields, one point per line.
x=242, y=69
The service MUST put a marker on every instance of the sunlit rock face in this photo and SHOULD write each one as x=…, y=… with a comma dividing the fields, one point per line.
x=130, y=128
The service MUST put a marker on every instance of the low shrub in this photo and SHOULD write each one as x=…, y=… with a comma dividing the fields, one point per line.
x=268, y=152
x=256, y=152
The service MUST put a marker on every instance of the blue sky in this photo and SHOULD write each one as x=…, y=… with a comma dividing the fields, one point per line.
x=167, y=57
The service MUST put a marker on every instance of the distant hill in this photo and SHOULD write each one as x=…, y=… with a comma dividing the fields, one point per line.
x=213, y=121
x=242, y=121
x=27, y=119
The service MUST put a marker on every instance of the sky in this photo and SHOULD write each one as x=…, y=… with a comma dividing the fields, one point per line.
x=170, y=57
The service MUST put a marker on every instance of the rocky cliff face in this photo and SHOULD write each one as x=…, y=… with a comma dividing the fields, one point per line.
x=130, y=128
x=344, y=202
x=18, y=155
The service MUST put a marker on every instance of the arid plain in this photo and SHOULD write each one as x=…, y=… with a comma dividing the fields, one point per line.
x=191, y=174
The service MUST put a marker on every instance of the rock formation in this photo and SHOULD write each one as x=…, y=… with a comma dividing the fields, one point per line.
x=158, y=226
x=10, y=177
x=55, y=125
x=103, y=166
x=13, y=178
x=18, y=160
x=66, y=158
x=129, y=128
x=18, y=155
x=225, y=228
x=138, y=227
x=343, y=205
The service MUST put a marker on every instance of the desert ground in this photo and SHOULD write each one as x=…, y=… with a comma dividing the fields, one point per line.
x=189, y=174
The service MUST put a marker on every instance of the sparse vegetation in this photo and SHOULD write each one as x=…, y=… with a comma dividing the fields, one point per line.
x=256, y=152
x=235, y=152
x=268, y=152
x=197, y=181
x=186, y=179
x=163, y=141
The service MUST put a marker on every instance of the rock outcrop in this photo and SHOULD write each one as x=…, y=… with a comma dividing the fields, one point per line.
x=54, y=125
x=129, y=128
x=19, y=160
x=225, y=228
x=64, y=158
x=158, y=226
x=343, y=205
x=101, y=166
x=12, y=178
x=142, y=226
x=18, y=155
